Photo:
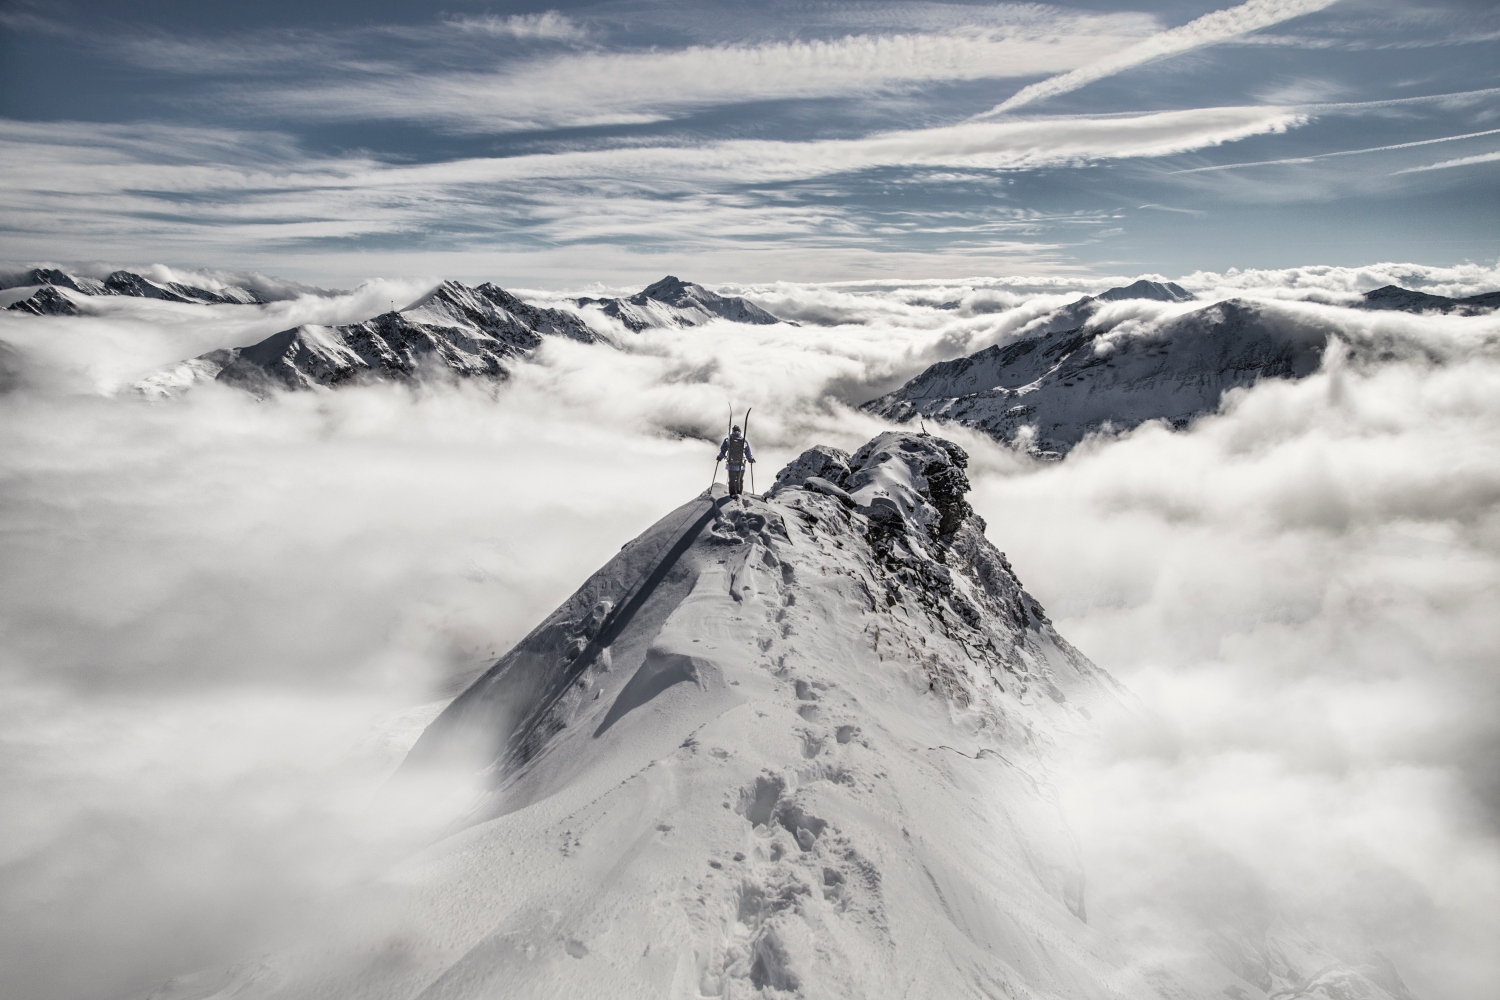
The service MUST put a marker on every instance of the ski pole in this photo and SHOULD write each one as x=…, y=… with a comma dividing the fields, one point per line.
x=747, y=449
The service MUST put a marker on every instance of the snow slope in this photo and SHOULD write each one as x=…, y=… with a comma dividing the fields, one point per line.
x=1073, y=374
x=453, y=331
x=792, y=746
x=674, y=302
x=129, y=283
x=1408, y=300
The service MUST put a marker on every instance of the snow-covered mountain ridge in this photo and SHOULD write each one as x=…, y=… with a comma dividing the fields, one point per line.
x=1082, y=369
x=674, y=302
x=1408, y=300
x=453, y=331
x=51, y=283
x=792, y=746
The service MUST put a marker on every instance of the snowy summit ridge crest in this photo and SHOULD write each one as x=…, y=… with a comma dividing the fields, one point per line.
x=790, y=746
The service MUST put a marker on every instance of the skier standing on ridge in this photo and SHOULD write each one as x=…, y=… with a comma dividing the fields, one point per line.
x=737, y=450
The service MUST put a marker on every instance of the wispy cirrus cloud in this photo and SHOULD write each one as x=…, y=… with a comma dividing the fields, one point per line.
x=548, y=25
x=611, y=87
x=102, y=178
x=1209, y=29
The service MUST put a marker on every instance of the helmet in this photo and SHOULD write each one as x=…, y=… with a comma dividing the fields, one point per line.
x=735, y=430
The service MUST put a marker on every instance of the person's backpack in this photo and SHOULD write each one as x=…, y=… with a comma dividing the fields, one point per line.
x=736, y=451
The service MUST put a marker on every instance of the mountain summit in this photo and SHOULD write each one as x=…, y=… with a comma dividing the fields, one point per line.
x=674, y=302
x=792, y=746
x=453, y=331
x=1075, y=374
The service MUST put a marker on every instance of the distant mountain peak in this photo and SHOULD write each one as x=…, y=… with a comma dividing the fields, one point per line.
x=133, y=285
x=1394, y=297
x=1168, y=291
x=453, y=331
x=671, y=301
x=1072, y=378
x=47, y=301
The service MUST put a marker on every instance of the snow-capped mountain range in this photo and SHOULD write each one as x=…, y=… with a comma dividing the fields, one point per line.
x=1068, y=377
x=452, y=331
x=1081, y=370
x=791, y=746
x=674, y=302
x=1086, y=368
x=53, y=285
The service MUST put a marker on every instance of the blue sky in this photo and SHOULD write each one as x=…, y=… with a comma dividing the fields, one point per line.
x=563, y=144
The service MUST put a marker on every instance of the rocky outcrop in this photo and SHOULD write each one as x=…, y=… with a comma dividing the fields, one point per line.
x=46, y=301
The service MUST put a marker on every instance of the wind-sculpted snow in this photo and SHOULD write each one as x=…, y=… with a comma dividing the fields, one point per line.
x=740, y=747
x=674, y=302
x=742, y=760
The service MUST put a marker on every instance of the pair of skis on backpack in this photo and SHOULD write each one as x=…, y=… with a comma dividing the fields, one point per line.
x=744, y=436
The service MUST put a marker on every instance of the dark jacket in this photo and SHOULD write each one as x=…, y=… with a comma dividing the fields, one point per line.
x=727, y=449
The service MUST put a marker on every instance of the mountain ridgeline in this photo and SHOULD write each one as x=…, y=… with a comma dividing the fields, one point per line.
x=786, y=746
x=53, y=285
x=455, y=331
x=1083, y=370
x=674, y=302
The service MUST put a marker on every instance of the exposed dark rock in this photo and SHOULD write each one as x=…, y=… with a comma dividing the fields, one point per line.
x=1050, y=389
x=452, y=332
x=46, y=301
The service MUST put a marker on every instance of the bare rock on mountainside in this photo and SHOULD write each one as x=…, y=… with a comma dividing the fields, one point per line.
x=1407, y=300
x=454, y=331
x=46, y=301
x=786, y=747
x=674, y=302
x=129, y=283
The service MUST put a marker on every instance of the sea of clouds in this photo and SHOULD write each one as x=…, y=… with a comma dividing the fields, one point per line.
x=224, y=619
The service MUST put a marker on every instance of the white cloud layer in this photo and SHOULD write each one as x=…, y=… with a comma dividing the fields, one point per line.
x=212, y=601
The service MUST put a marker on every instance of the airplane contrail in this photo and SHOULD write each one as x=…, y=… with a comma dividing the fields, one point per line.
x=1206, y=30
